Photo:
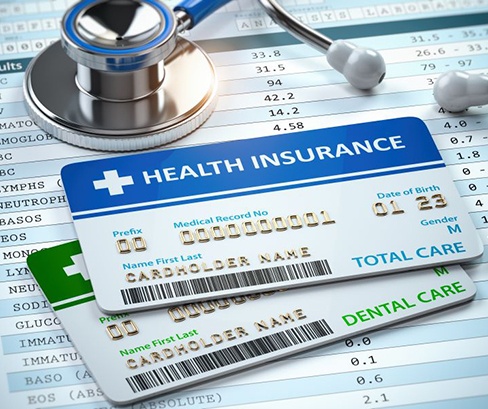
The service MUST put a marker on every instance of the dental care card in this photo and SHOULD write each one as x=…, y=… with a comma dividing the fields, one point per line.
x=201, y=222
x=138, y=355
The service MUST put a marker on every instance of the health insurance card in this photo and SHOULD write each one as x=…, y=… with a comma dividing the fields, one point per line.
x=134, y=356
x=179, y=225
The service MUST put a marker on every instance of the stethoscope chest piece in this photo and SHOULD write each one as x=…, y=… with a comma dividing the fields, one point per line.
x=120, y=78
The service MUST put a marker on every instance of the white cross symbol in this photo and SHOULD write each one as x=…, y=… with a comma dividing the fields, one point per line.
x=78, y=267
x=113, y=182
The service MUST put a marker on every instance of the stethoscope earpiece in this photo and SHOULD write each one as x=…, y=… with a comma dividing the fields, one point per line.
x=363, y=68
x=458, y=90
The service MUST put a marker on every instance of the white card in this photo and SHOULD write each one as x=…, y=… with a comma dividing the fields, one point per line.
x=135, y=356
x=202, y=222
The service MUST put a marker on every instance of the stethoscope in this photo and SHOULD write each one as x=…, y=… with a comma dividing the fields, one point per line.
x=122, y=78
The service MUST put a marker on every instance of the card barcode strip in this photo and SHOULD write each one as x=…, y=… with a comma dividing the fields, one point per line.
x=228, y=356
x=164, y=291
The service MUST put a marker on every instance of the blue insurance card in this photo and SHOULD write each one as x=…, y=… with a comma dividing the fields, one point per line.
x=179, y=225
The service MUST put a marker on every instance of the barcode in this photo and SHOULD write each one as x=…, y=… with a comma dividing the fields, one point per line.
x=163, y=291
x=228, y=356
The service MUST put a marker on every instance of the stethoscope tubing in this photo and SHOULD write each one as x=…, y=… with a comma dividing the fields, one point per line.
x=199, y=10
x=303, y=32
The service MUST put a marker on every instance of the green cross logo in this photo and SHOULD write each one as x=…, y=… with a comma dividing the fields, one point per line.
x=61, y=273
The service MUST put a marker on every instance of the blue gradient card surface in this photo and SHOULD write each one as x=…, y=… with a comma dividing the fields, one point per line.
x=201, y=222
